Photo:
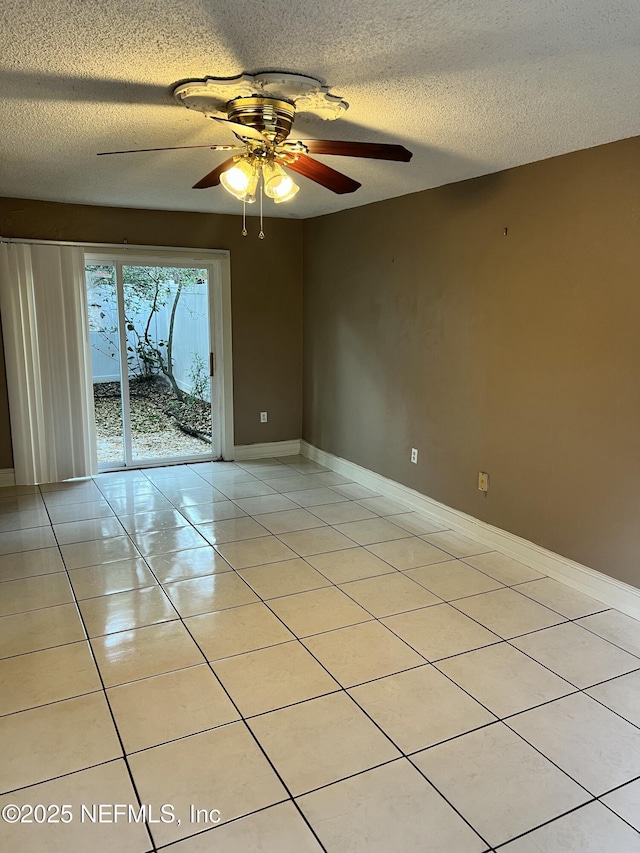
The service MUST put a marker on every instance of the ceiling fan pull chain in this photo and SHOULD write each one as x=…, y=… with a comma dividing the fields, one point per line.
x=244, y=218
x=261, y=234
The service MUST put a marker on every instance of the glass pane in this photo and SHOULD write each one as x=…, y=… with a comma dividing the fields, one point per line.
x=105, y=361
x=167, y=324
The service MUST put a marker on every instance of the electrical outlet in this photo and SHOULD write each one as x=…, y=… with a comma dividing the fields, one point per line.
x=263, y=417
x=483, y=481
x=414, y=455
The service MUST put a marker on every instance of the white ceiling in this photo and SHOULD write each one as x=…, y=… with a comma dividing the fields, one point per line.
x=470, y=86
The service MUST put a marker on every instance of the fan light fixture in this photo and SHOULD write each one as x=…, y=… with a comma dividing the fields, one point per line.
x=259, y=110
x=241, y=180
x=243, y=177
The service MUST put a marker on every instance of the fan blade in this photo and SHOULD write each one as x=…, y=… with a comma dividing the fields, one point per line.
x=213, y=178
x=321, y=174
x=374, y=150
x=173, y=148
x=242, y=129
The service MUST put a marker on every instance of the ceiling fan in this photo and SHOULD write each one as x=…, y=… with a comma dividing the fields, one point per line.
x=260, y=110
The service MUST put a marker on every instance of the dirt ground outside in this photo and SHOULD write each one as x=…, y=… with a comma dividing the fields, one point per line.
x=161, y=426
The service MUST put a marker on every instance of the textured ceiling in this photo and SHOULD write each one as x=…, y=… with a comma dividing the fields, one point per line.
x=470, y=86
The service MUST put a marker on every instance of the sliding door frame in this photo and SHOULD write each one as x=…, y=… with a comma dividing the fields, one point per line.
x=217, y=264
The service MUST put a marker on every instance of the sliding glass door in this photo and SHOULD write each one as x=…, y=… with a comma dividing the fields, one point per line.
x=151, y=323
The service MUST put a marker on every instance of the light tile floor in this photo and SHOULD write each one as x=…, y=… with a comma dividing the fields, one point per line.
x=326, y=669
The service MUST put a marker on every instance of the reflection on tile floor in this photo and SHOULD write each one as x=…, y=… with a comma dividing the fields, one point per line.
x=325, y=668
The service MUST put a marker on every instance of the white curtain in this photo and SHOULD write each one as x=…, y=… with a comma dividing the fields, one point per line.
x=43, y=302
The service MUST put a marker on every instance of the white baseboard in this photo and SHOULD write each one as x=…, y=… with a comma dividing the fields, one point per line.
x=267, y=449
x=6, y=477
x=612, y=592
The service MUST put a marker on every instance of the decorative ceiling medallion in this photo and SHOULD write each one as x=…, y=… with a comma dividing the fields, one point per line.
x=212, y=95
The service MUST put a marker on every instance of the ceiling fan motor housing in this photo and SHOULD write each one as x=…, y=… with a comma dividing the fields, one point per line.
x=273, y=117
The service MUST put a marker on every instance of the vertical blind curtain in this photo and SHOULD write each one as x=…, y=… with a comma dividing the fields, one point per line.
x=45, y=324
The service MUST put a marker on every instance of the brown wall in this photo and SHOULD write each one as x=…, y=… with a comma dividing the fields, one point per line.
x=518, y=355
x=266, y=294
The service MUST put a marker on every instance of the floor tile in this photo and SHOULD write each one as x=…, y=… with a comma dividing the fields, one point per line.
x=23, y=519
x=355, y=492
x=294, y=483
x=349, y=565
x=388, y=808
x=218, y=511
x=120, y=576
x=290, y=521
x=590, y=829
x=255, y=552
x=618, y=628
x=213, y=592
x=132, y=504
x=144, y=652
x=503, y=568
x=561, y=598
x=456, y=544
x=321, y=741
x=265, y=504
x=166, y=541
x=95, y=553
x=237, y=475
x=383, y=506
x=328, y=478
x=40, y=629
x=286, y=578
x=272, y=678
x=271, y=472
x=47, y=676
x=232, y=530
x=592, y=744
x=190, y=563
x=452, y=579
x=503, y=679
x=170, y=706
x=340, y=513
x=278, y=829
x=72, y=493
x=622, y=695
x=39, y=744
x=506, y=788
x=416, y=523
x=79, y=512
x=362, y=652
x=317, y=541
x=32, y=539
x=238, y=630
x=408, y=553
x=315, y=497
x=123, y=611
x=440, y=631
x=319, y=610
x=508, y=613
x=577, y=655
x=236, y=780
x=372, y=530
x=625, y=802
x=33, y=593
x=149, y=522
x=253, y=489
x=30, y=563
x=107, y=783
x=198, y=493
x=388, y=594
x=420, y=707
x=87, y=531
